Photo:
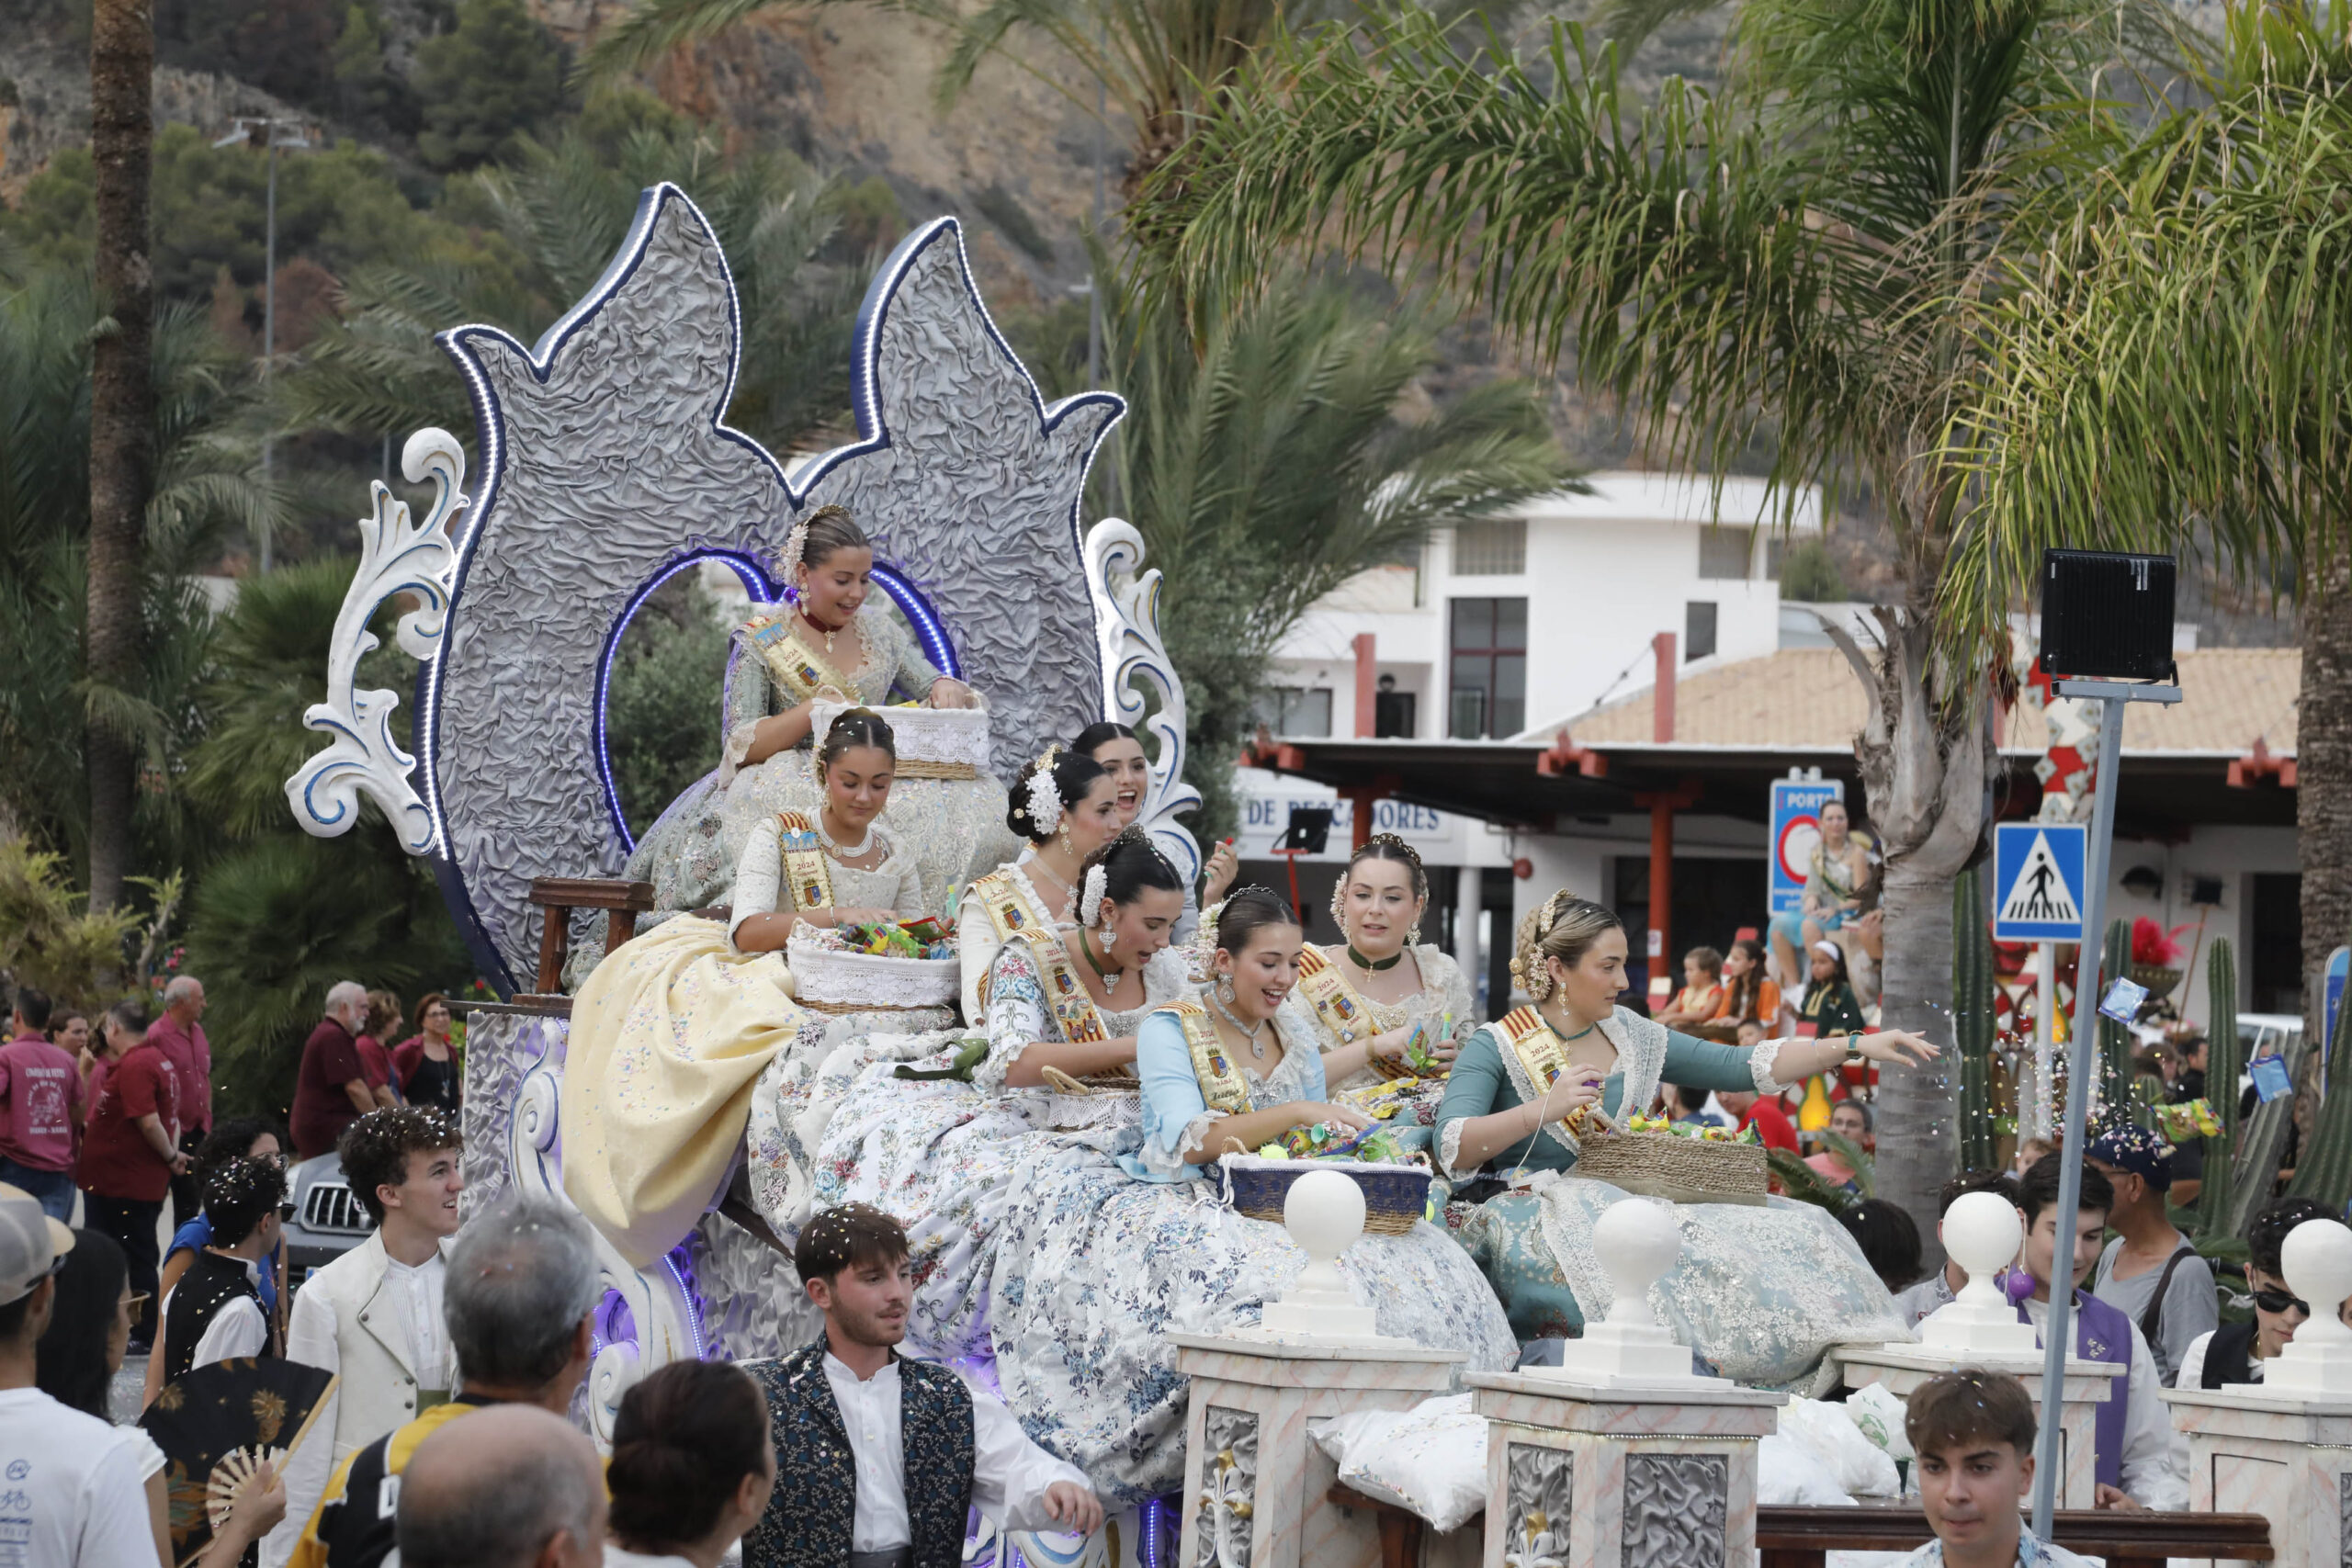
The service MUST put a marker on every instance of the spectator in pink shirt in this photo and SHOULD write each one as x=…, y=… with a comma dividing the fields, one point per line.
x=40, y=1109
x=179, y=1034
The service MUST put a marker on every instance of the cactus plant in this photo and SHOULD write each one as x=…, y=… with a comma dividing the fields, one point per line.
x=2223, y=1066
x=2115, y=1095
x=1972, y=1018
x=2323, y=1168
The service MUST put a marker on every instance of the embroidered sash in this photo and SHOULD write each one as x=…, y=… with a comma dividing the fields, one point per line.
x=1074, y=1012
x=1344, y=1013
x=806, y=871
x=798, y=670
x=1222, y=1086
x=1538, y=1052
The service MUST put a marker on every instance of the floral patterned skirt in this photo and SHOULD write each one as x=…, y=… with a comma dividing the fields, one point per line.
x=1093, y=1268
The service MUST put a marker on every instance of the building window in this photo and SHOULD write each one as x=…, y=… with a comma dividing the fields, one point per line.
x=1698, y=630
x=1393, y=715
x=1487, y=692
x=1303, y=711
x=1490, y=549
x=1725, y=552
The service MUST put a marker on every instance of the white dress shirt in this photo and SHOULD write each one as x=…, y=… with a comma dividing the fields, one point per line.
x=239, y=1328
x=1010, y=1474
x=2149, y=1473
x=415, y=1292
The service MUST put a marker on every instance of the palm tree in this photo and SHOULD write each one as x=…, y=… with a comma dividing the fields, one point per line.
x=562, y=211
x=2184, y=356
x=1792, y=258
x=122, y=134
x=1264, y=463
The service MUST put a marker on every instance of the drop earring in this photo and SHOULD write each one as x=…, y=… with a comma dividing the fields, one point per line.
x=1225, y=990
x=1110, y=936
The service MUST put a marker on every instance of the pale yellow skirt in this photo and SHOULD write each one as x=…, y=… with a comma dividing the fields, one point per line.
x=669, y=1036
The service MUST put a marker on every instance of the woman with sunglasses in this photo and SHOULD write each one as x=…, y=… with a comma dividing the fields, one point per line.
x=2235, y=1351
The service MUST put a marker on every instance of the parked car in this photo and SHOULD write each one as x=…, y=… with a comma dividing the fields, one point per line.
x=329, y=1219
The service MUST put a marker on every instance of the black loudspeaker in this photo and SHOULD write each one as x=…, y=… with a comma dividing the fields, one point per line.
x=2106, y=616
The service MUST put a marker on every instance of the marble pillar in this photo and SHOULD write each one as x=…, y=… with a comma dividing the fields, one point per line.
x=2088, y=1385
x=2285, y=1458
x=1586, y=1476
x=1255, y=1484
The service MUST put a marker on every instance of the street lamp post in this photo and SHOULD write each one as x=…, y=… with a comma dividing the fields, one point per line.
x=274, y=134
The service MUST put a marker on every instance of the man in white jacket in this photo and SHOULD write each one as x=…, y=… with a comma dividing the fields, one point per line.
x=373, y=1316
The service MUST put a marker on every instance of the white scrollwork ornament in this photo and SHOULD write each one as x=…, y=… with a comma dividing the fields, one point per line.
x=396, y=556
x=1134, y=656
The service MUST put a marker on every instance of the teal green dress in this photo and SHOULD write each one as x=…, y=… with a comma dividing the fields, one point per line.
x=1760, y=1294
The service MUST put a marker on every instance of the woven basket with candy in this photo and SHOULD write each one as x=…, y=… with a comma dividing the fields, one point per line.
x=875, y=968
x=1681, y=1161
x=1395, y=1181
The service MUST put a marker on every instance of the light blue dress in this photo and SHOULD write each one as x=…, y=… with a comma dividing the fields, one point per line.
x=1101, y=1256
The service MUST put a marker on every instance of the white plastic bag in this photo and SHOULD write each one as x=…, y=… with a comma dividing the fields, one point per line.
x=1430, y=1459
x=1878, y=1416
x=1789, y=1474
x=1860, y=1467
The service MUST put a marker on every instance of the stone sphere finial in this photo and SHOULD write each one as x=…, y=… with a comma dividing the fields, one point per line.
x=1637, y=1240
x=1981, y=1231
x=2317, y=1261
x=1324, y=1212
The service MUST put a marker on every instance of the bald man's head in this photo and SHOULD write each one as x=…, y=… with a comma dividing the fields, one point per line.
x=509, y=1487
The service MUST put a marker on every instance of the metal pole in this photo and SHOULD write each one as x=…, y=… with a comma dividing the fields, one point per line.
x=2055, y=1338
x=268, y=323
x=2045, y=1036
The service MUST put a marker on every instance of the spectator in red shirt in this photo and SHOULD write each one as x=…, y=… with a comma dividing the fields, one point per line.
x=40, y=1109
x=131, y=1152
x=332, y=1089
x=179, y=1034
x=375, y=1047
x=1772, y=1122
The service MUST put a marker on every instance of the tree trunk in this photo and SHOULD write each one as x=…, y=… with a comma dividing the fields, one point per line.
x=122, y=63
x=1927, y=758
x=2324, y=774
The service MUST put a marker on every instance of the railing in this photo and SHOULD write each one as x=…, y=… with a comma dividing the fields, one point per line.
x=1802, y=1538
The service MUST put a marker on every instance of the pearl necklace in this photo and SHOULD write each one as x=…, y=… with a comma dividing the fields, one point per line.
x=844, y=851
x=1249, y=1032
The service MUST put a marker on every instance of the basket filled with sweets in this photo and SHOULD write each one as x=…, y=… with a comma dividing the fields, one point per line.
x=897, y=966
x=1395, y=1181
x=1682, y=1162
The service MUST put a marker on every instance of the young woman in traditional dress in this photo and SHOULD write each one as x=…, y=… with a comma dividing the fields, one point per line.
x=1381, y=982
x=670, y=1033
x=842, y=868
x=1758, y=1293
x=1064, y=1005
x=1066, y=807
x=823, y=642
x=1099, y=1256
x=1115, y=746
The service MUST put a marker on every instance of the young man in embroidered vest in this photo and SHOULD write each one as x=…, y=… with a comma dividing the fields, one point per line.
x=374, y=1315
x=2132, y=1433
x=856, y=1423
x=215, y=1311
x=522, y=1298
x=1974, y=1435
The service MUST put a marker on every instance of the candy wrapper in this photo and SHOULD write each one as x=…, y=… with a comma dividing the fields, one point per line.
x=2193, y=1119
x=1331, y=1140
x=1418, y=1054
x=915, y=939
x=1705, y=1135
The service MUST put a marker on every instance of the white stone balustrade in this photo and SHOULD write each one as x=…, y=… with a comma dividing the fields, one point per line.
x=2282, y=1447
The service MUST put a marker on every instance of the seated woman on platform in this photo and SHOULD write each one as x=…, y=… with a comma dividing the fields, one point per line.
x=1101, y=1256
x=1758, y=1292
x=942, y=1152
x=1114, y=745
x=1381, y=983
x=840, y=870
x=1066, y=807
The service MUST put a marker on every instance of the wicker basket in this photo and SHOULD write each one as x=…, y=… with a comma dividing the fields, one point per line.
x=1394, y=1195
x=1683, y=1170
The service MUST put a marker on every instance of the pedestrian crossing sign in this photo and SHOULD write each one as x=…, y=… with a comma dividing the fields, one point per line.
x=2037, y=878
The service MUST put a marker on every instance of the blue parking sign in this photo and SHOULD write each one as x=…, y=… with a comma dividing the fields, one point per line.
x=2038, y=881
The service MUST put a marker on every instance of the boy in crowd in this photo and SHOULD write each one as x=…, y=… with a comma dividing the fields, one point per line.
x=1974, y=1435
x=2132, y=1436
x=374, y=1315
x=2235, y=1352
x=2150, y=1272
x=215, y=1313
